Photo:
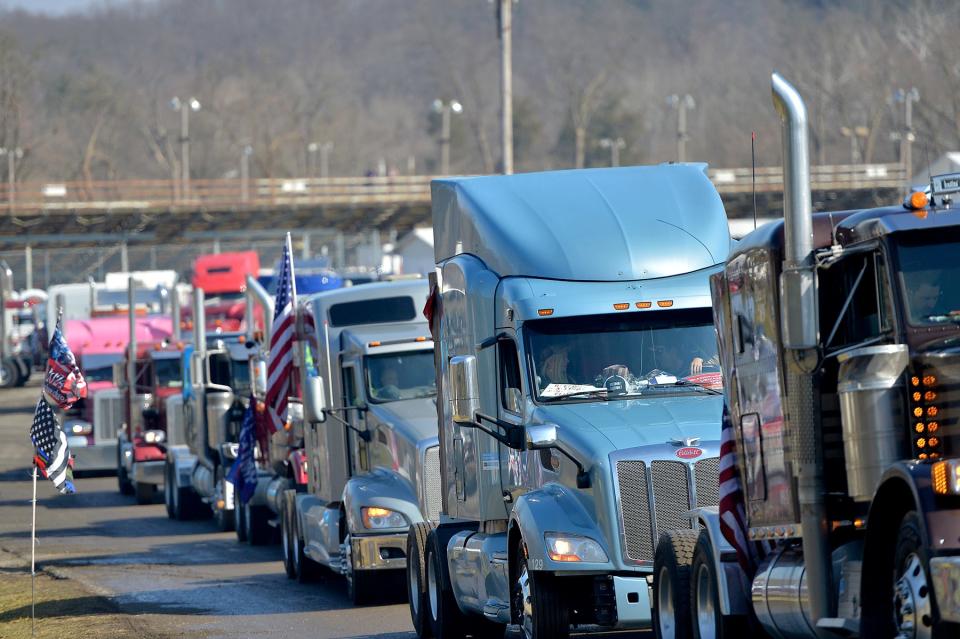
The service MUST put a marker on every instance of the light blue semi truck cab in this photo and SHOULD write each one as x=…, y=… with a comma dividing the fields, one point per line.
x=579, y=394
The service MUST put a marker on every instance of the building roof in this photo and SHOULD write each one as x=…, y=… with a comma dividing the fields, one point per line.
x=611, y=224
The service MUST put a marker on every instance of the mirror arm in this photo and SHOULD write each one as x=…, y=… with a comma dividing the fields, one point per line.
x=362, y=434
x=583, y=479
x=491, y=341
x=506, y=438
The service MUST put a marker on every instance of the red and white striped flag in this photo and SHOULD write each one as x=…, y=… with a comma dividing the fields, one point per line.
x=733, y=517
x=282, y=336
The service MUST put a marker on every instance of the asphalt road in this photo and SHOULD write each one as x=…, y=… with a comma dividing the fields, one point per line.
x=177, y=578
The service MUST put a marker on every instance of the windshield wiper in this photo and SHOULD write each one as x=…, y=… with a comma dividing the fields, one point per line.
x=600, y=393
x=687, y=384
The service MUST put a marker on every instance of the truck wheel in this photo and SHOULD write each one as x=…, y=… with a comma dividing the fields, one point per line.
x=704, y=592
x=23, y=372
x=416, y=570
x=914, y=609
x=123, y=480
x=239, y=519
x=444, y=616
x=144, y=492
x=361, y=585
x=671, y=584
x=259, y=532
x=8, y=373
x=221, y=516
x=169, y=490
x=287, y=534
x=538, y=602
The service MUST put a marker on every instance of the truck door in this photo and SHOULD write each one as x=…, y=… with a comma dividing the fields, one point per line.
x=517, y=468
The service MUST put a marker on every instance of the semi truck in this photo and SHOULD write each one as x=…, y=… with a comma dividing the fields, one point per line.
x=578, y=394
x=370, y=438
x=838, y=340
x=204, y=421
x=223, y=276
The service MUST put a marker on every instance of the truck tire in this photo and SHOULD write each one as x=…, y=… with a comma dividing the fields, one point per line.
x=259, y=532
x=308, y=571
x=538, y=602
x=289, y=546
x=8, y=373
x=168, y=489
x=144, y=492
x=362, y=585
x=444, y=616
x=123, y=480
x=704, y=600
x=221, y=516
x=671, y=584
x=416, y=573
x=23, y=372
x=239, y=520
x=914, y=608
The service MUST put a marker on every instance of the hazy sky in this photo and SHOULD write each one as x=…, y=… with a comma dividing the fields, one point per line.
x=56, y=6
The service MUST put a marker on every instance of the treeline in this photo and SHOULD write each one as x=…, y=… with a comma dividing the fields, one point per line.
x=87, y=96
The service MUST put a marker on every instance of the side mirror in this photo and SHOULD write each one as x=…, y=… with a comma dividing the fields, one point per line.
x=464, y=388
x=259, y=378
x=314, y=401
x=541, y=436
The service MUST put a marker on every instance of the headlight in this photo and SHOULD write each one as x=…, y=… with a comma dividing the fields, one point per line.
x=154, y=436
x=81, y=428
x=570, y=548
x=377, y=518
x=946, y=477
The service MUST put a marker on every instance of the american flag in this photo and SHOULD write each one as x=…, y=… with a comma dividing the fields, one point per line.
x=733, y=517
x=243, y=473
x=282, y=334
x=53, y=453
x=64, y=383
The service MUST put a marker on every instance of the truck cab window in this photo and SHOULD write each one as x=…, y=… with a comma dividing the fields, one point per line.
x=349, y=387
x=509, y=364
x=863, y=312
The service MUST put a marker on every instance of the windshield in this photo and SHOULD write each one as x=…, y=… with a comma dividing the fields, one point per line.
x=400, y=376
x=168, y=372
x=623, y=355
x=930, y=276
x=101, y=374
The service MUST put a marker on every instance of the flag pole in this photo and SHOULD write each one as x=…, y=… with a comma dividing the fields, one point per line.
x=33, y=557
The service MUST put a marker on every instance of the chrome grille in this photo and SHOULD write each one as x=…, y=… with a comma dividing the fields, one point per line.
x=431, y=483
x=108, y=412
x=707, y=474
x=635, y=509
x=671, y=497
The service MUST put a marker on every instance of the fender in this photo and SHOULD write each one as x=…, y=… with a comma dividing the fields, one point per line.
x=937, y=514
x=183, y=462
x=553, y=508
x=383, y=488
x=732, y=584
x=319, y=523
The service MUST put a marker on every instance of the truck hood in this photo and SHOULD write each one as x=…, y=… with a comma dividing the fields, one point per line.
x=599, y=428
x=416, y=417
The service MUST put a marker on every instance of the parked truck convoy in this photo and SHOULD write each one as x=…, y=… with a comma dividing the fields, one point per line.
x=370, y=437
x=578, y=394
x=838, y=340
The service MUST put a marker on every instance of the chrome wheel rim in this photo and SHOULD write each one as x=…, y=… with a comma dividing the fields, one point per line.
x=526, y=601
x=285, y=539
x=295, y=552
x=666, y=615
x=433, y=589
x=413, y=582
x=706, y=612
x=912, y=609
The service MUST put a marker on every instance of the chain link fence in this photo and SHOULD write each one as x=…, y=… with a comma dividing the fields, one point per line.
x=63, y=265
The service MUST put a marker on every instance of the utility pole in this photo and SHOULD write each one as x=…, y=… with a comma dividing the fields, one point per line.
x=185, y=107
x=615, y=145
x=245, y=154
x=505, y=19
x=682, y=103
x=856, y=132
x=445, y=109
x=12, y=156
x=325, y=149
x=312, y=149
x=907, y=137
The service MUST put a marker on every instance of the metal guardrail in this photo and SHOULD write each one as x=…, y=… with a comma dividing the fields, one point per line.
x=36, y=198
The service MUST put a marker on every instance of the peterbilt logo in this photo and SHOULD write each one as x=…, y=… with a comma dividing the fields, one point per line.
x=689, y=452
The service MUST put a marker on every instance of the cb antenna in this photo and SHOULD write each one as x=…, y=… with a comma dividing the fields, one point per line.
x=753, y=174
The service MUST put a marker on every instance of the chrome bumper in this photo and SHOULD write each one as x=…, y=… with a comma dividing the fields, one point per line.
x=379, y=552
x=148, y=472
x=945, y=575
x=96, y=457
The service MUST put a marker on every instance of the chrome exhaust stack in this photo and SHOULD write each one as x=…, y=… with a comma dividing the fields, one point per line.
x=199, y=322
x=256, y=294
x=800, y=336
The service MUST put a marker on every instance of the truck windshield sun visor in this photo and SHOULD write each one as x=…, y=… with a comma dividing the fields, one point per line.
x=618, y=356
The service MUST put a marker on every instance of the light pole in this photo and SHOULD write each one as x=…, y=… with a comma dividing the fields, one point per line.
x=856, y=132
x=312, y=149
x=908, y=97
x=185, y=106
x=325, y=149
x=505, y=20
x=682, y=103
x=245, y=154
x=615, y=145
x=12, y=156
x=445, y=109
